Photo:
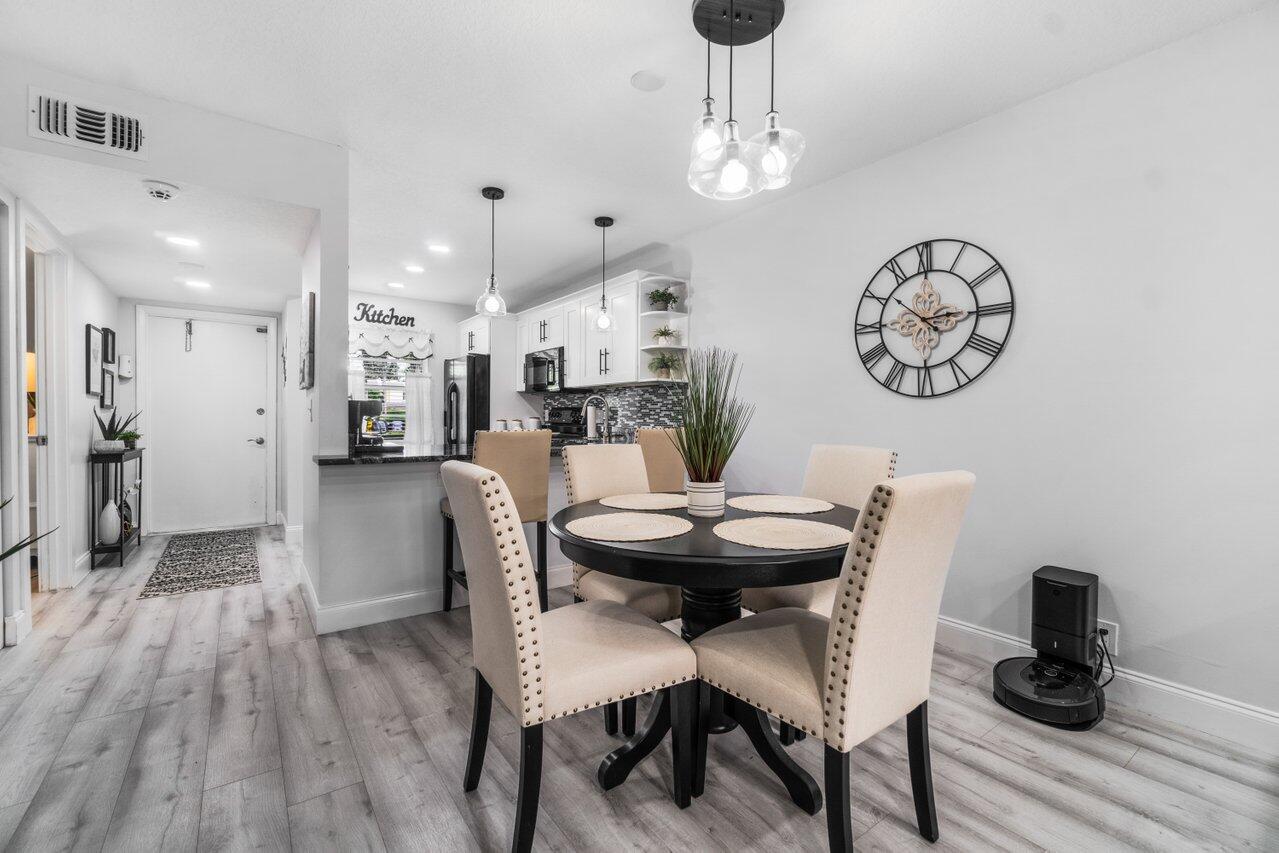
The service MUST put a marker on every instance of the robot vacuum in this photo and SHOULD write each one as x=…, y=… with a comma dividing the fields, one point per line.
x=1058, y=687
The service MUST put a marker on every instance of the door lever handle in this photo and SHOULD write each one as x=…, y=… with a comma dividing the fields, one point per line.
x=259, y=440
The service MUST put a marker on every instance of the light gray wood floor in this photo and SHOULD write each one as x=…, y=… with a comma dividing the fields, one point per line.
x=218, y=720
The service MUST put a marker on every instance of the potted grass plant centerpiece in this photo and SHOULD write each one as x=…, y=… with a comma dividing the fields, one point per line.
x=714, y=420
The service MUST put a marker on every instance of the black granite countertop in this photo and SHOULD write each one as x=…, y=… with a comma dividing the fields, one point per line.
x=409, y=453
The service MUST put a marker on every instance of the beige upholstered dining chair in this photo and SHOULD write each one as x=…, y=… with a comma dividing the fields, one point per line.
x=842, y=474
x=661, y=459
x=591, y=472
x=847, y=677
x=548, y=665
x=523, y=458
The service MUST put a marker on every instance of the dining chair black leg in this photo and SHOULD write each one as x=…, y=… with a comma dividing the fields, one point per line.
x=701, y=735
x=541, y=566
x=448, y=564
x=530, y=786
x=839, y=804
x=628, y=715
x=683, y=708
x=786, y=734
x=479, y=732
x=921, y=772
x=610, y=718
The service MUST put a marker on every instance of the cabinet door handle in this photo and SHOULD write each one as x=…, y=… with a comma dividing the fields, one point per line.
x=606, y=360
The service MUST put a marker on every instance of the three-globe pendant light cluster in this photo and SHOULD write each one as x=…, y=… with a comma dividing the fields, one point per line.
x=491, y=303
x=722, y=165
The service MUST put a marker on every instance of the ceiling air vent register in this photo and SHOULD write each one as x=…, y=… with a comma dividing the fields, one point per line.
x=61, y=118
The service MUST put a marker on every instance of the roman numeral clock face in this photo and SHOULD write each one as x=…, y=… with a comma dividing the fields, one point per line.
x=934, y=318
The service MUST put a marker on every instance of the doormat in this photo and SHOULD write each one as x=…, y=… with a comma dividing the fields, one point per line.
x=193, y=562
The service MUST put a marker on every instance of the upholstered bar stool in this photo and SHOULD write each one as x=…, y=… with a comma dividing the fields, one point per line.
x=842, y=474
x=661, y=459
x=847, y=677
x=591, y=472
x=523, y=458
x=547, y=665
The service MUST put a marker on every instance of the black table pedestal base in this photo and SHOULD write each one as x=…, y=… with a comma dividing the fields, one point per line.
x=705, y=609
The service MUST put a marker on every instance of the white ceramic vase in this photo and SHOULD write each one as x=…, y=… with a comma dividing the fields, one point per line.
x=705, y=500
x=109, y=524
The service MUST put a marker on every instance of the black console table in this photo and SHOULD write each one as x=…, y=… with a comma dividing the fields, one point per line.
x=106, y=478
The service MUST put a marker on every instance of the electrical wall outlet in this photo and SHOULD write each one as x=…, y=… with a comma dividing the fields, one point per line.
x=1112, y=636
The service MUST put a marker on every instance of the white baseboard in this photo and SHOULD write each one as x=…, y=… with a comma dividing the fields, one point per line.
x=355, y=614
x=16, y=627
x=1227, y=718
x=292, y=532
x=81, y=568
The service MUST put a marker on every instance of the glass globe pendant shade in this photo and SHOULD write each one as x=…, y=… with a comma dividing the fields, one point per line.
x=708, y=133
x=779, y=149
x=728, y=171
x=491, y=303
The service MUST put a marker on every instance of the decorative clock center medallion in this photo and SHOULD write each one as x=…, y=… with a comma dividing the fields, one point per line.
x=927, y=319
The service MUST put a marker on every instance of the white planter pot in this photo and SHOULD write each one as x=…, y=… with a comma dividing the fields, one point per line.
x=705, y=500
x=103, y=446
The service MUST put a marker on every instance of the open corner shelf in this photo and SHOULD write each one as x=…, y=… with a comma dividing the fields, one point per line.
x=664, y=314
x=664, y=348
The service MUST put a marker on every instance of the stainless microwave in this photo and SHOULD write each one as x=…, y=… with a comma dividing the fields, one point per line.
x=544, y=370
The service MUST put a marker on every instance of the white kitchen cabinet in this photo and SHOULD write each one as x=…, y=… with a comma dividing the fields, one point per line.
x=546, y=329
x=521, y=348
x=475, y=336
x=574, y=346
x=611, y=356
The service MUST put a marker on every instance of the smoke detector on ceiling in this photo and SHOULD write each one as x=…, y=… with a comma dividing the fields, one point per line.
x=160, y=191
x=82, y=124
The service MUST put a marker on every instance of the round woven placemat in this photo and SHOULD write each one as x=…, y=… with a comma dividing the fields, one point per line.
x=784, y=504
x=646, y=500
x=629, y=527
x=785, y=534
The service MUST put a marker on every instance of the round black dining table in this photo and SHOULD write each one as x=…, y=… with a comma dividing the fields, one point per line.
x=711, y=573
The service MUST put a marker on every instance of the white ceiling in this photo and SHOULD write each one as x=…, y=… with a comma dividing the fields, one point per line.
x=436, y=99
x=250, y=250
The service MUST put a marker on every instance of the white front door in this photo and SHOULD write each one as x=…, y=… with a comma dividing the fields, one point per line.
x=206, y=423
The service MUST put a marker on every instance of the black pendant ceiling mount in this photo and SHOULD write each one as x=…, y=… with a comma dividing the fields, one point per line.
x=751, y=20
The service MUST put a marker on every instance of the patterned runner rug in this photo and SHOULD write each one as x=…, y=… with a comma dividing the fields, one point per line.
x=192, y=562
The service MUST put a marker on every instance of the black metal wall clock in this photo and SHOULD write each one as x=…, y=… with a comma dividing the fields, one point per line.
x=934, y=317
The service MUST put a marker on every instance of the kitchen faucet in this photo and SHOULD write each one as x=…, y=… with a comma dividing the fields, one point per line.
x=608, y=430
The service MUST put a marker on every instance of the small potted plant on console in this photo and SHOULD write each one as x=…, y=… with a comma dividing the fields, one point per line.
x=714, y=420
x=113, y=433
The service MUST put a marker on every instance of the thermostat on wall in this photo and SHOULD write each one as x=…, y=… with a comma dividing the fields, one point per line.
x=124, y=368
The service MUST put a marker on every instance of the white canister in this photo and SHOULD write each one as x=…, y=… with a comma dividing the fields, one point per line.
x=514, y=423
x=532, y=423
x=500, y=425
x=705, y=500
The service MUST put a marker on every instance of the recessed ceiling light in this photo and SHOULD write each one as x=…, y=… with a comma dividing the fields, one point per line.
x=397, y=285
x=195, y=282
x=439, y=249
x=177, y=240
x=647, y=81
x=414, y=268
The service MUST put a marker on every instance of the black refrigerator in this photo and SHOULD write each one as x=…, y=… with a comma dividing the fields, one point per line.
x=466, y=398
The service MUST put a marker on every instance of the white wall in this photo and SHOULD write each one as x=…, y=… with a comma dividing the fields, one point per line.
x=1129, y=428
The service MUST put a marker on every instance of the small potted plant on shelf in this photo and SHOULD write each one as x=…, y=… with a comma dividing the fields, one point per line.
x=714, y=420
x=663, y=364
x=113, y=431
x=663, y=299
x=665, y=336
x=130, y=438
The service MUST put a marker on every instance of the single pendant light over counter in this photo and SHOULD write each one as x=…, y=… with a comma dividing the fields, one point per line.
x=491, y=303
x=731, y=168
x=604, y=321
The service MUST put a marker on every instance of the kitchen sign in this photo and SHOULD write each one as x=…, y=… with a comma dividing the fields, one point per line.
x=368, y=312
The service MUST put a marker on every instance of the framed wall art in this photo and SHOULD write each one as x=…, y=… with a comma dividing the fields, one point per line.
x=92, y=359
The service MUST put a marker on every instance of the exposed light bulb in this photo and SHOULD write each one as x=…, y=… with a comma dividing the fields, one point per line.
x=604, y=321
x=491, y=304
x=781, y=149
x=774, y=161
x=707, y=134
x=734, y=176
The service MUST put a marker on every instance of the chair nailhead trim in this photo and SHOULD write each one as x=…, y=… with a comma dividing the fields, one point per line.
x=857, y=571
x=610, y=700
x=754, y=704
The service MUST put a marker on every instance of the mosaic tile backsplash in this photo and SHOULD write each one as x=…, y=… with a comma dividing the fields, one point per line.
x=632, y=406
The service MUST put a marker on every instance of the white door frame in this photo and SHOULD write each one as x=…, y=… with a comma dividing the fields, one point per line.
x=141, y=364
x=53, y=472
